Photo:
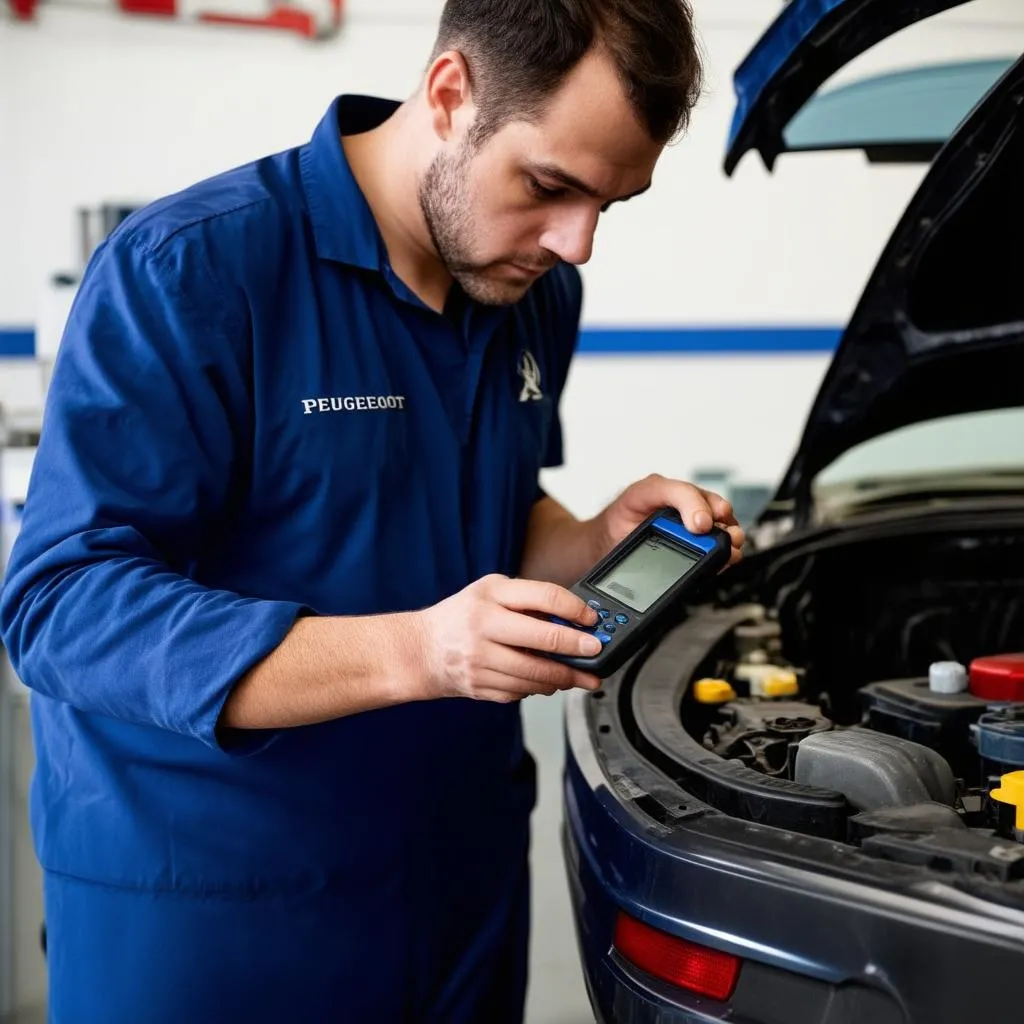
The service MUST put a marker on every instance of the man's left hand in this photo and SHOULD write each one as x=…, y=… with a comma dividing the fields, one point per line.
x=699, y=508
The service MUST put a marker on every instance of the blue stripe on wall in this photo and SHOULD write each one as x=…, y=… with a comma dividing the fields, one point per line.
x=709, y=340
x=17, y=342
x=622, y=340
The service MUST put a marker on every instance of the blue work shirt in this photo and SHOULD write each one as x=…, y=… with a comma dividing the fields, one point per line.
x=251, y=418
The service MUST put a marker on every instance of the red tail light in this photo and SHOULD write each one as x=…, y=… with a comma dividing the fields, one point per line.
x=704, y=971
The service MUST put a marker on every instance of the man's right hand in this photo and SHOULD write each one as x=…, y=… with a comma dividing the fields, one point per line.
x=481, y=642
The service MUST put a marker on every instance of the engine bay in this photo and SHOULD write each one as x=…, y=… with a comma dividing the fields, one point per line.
x=867, y=673
x=949, y=738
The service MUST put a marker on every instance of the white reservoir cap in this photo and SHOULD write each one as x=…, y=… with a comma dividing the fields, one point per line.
x=947, y=677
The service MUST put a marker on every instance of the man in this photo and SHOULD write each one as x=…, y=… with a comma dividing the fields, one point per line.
x=285, y=565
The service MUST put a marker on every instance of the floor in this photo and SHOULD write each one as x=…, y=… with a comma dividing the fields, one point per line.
x=556, y=994
x=28, y=966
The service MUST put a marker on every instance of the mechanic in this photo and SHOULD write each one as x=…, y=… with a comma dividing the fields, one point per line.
x=285, y=554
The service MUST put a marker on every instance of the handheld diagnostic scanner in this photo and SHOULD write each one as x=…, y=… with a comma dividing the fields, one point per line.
x=640, y=583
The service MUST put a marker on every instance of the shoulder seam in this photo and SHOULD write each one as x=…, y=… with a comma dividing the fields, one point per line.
x=158, y=255
x=135, y=240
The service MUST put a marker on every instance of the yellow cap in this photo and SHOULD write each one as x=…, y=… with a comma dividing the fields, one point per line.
x=1011, y=791
x=782, y=684
x=713, y=691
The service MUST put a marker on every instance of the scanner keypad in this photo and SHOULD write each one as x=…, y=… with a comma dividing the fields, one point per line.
x=605, y=627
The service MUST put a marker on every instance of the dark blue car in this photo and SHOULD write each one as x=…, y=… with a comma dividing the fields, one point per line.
x=804, y=802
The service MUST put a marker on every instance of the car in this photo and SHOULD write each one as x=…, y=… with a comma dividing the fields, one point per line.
x=803, y=801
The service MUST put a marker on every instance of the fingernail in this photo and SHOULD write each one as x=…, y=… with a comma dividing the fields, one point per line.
x=702, y=521
x=591, y=646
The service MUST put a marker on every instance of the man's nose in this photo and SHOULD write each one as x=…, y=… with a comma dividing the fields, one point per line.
x=571, y=236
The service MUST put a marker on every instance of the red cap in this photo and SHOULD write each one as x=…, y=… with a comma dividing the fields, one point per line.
x=998, y=678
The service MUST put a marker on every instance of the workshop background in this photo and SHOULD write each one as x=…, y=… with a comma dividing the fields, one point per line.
x=712, y=304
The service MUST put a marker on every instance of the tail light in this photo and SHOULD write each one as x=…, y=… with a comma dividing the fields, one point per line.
x=707, y=972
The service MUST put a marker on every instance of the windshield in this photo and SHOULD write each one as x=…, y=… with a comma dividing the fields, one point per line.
x=968, y=444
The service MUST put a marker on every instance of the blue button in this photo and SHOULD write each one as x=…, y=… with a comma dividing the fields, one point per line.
x=603, y=613
x=621, y=619
x=604, y=638
x=608, y=627
x=594, y=604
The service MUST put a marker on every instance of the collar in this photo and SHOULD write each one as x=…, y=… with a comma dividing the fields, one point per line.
x=344, y=228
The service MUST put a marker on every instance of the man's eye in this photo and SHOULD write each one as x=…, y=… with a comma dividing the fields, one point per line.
x=538, y=190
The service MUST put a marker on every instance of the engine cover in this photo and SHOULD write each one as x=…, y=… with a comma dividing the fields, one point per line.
x=874, y=770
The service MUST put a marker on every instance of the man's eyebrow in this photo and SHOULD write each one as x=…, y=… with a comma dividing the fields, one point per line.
x=571, y=181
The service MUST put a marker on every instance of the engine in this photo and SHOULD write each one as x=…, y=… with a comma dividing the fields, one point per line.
x=934, y=751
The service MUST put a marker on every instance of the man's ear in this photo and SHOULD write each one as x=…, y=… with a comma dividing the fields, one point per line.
x=449, y=95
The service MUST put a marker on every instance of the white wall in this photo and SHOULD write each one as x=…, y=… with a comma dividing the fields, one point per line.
x=97, y=106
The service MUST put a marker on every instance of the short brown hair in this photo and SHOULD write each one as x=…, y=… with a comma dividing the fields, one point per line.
x=520, y=51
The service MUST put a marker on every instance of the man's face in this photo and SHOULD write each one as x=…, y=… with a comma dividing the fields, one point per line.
x=503, y=215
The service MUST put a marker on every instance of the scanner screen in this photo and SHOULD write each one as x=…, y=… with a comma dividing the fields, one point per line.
x=646, y=573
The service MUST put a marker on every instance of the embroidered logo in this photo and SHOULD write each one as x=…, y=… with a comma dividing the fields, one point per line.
x=529, y=370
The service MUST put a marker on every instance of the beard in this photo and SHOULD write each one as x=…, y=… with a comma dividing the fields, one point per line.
x=448, y=211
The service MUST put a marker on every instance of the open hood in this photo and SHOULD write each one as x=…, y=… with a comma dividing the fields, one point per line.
x=939, y=329
x=804, y=47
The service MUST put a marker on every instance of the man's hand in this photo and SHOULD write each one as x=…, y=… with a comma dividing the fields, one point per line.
x=560, y=548
x=700, y=509
x=479, y=642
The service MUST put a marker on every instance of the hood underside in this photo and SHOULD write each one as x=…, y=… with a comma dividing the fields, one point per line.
x=806, y=45
x=939, y=329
